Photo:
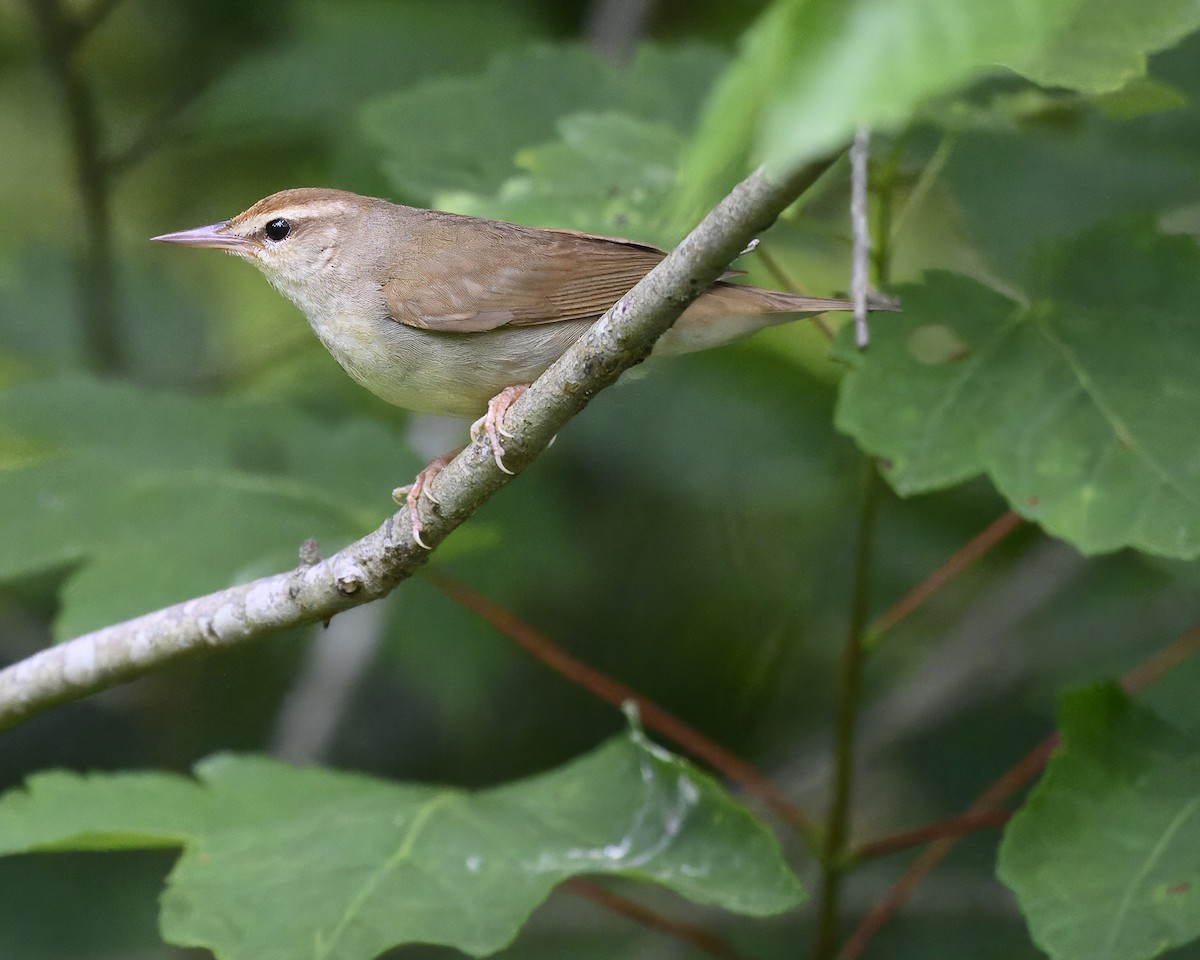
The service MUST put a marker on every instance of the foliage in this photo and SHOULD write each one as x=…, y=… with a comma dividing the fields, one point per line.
x=1035, y=202
x=279, y=862
x=1130, y=781
x=1078, y=405
x=244, y=488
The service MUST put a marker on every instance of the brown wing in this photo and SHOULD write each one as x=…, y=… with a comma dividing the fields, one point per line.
x=461, y=274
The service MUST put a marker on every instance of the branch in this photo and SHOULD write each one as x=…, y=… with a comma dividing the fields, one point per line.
x=1143, y=675
x=373, y=566
x=897, y=895
x=653, y=716
x=698, y=937
x=837, y=820
x=940, y=829
x=962, y=558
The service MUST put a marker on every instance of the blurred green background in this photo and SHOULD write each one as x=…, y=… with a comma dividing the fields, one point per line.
x=692, y=533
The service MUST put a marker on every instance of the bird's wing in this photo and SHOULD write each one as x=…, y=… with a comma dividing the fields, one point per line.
x=464, y=275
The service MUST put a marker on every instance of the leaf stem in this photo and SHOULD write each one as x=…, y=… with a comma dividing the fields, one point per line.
x=1149, y=671
x=698, y=937
x=612, y=691
x=959, y=561
x=897, y=895
x=833, y=852
x=952, y=827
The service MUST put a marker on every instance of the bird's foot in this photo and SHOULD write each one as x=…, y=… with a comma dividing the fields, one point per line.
x=492, y=423
x=410, y=495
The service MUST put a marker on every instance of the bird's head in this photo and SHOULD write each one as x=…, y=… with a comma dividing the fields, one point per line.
x=306, y=241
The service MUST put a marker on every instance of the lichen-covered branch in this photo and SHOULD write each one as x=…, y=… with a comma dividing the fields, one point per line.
x=371, y=567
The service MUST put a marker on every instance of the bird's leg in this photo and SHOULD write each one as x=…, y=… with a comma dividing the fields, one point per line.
x=492, y=422
x=410, y=495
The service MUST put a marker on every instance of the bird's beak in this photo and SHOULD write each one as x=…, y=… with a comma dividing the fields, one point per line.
x=210, y=236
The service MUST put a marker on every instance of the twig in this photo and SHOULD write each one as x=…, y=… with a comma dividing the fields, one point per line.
x=698, y=937
x=897, y=895
x=1163, y=662
x=925, y=183
x=962, y=558
x=371, y=567
x=954, y=827
x=1009, y=783
x=613, y=691
x=833, y=865
x=860, y=263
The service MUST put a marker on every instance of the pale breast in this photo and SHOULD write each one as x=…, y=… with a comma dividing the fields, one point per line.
x=447, y=373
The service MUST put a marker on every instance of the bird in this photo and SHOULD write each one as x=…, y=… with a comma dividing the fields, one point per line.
x=445, y=313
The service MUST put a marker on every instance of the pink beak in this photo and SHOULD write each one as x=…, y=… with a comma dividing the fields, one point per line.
x=210, y=236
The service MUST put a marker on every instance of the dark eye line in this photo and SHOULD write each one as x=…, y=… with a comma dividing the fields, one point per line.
x=277, y=229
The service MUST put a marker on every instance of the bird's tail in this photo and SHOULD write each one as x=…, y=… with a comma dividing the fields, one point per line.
x=730, y=311
x=757, y=299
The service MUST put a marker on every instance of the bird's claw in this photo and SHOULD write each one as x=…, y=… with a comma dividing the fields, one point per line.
x=410, y=495
x=491, y=423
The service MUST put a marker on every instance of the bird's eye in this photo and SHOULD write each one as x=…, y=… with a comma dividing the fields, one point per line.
x=277, y=229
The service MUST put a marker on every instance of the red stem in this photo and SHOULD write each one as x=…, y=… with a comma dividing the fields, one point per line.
x=962, y=558
x=1012, y=780
x=699, y=938
x=612, y=691
x=953, y=827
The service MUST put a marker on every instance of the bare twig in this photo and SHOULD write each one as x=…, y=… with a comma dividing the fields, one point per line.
x=860, y=264
x=897, y=895
x=837, y=821
x=1163, y=662
x=990, y=800
x=954, y=827
x=698, y=937
x=373, y=566
x=962, y=558
x=613, y=691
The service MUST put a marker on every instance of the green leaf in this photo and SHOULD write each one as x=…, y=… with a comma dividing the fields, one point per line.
x=464, y=134
x=1139, y=97
x=1081, y=407
x=286, y=863
x=1069, y=177
x=810, y=71
x=154, y=498
x=609, y=174
x=1106, y=43
x=358, y=50
x=1104, y=856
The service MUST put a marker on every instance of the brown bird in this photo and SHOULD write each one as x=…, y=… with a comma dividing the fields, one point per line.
x=449, y=314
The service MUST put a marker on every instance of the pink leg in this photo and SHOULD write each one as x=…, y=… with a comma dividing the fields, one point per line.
x=492, y=423
x=411, y=494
